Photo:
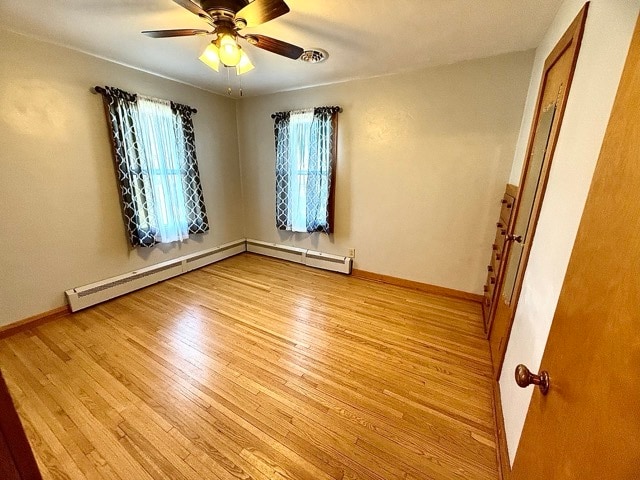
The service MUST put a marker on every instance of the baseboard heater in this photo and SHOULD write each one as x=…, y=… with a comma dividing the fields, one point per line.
x=94, y=293
x=325, y=261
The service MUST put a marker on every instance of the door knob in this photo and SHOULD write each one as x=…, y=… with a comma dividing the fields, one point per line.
x=514, y=238
x=524, y=378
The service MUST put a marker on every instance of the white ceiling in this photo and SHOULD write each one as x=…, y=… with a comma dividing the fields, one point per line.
x=364, y=38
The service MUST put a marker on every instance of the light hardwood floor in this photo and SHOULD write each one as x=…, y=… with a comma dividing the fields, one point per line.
x=258, y=368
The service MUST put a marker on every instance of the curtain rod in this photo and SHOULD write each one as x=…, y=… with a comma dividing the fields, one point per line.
x=333, y=109
x=101, y=90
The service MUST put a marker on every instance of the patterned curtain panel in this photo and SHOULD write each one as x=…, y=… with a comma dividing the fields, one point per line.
x=154, y=153
x=281, y=130
x=305, y=169
x=196, y=211
x=121, y=109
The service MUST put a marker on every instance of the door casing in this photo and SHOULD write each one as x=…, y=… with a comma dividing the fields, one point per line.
x=555, y=86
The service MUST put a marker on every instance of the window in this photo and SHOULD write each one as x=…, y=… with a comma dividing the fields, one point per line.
x=155, y=156
x=305, y=169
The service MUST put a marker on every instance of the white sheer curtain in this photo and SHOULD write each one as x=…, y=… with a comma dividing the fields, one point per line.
x=300, y=124
x=162, y=156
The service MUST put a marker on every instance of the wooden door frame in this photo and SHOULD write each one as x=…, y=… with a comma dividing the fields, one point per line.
x=572, y=38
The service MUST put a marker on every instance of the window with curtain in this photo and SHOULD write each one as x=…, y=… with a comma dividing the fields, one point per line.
x=155, y=157
x=305, y=169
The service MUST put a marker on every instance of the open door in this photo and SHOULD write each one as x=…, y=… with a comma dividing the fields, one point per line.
x=587, y=426
x=547, y=120
x=16, y=458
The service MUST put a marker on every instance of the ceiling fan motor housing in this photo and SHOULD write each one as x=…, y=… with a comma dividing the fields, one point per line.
x=225, y=8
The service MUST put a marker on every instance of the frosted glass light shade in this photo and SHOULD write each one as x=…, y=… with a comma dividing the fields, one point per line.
x=229, y=51
x=211, y=57
x=244, y=65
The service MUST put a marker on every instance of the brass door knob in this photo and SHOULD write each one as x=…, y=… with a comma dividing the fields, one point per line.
x=524, y=378
x=514, y=238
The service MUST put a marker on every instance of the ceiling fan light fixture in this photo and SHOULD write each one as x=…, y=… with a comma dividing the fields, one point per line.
x=244, y=65
x=211, y=57
x=229, y=50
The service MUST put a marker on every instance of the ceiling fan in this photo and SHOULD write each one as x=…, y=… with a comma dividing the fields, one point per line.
x=227, y=18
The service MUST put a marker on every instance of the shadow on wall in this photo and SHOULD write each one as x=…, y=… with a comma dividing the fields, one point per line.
x=146, y=253
x=36, y=109
x=295, y=238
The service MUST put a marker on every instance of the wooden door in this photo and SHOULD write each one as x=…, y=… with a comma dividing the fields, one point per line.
x=16, y=458
x=588, y=425
x=554, y=91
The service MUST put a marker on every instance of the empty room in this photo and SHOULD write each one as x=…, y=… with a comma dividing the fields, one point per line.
x=285, y=239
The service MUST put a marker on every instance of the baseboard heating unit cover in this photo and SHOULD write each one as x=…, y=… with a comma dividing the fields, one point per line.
x=94, y=293
x=325, y=261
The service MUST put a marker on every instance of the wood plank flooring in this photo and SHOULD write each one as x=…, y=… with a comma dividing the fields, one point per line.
x=254, y=368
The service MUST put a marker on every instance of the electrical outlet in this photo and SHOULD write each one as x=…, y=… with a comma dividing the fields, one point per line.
x=352, y=253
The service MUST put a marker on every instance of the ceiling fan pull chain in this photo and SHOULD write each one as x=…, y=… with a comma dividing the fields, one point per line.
x=228, y=82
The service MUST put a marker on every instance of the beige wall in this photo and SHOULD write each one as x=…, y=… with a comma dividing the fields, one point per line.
x=604, y=48
x=423, y=161
x=60, y=218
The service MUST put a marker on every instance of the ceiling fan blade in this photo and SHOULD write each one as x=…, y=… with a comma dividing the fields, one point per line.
x=183, y=32
x=261, y=11
x=275, y=46
x=193, y=8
